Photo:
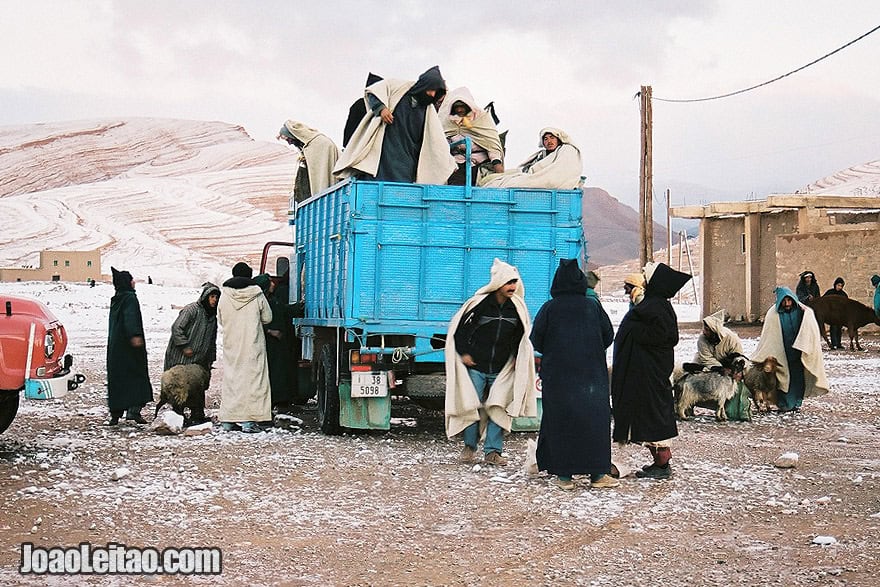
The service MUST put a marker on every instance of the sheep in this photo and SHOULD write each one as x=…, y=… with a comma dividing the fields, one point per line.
x=184, y=386
x=760, y=378
x=841, y=311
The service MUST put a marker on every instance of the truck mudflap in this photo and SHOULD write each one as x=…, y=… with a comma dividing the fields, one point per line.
x=363, y=413
x=53, y=387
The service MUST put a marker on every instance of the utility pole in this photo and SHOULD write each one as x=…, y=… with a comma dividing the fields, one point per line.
x=668, y=230
x=646, y=180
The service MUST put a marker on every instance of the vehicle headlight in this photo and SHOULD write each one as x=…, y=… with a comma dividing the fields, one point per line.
x=49, y=344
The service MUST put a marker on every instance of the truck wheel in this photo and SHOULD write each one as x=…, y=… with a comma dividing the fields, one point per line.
x=328, y=392
x=8, y=408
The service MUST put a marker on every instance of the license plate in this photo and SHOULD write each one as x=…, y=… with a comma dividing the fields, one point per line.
x=373, y=384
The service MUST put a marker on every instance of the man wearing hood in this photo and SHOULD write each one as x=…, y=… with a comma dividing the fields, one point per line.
x=318, y=156
x=791, y=334
x=242, y=311
x=400, y=138
x=194, y=339
x=807, y=288
x=490, y=365
x=128, y=376
x=716, y=342
x=644, y=357
x=571, y=332
x=557, y=165
x=462, y=118
x=836, y=331
x=357, y=111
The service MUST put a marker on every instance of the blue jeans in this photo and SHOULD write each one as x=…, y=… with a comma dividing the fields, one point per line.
x=494, y=433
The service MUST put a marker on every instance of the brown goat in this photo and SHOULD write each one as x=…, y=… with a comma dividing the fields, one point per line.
x=761, y=380
x=841, y=311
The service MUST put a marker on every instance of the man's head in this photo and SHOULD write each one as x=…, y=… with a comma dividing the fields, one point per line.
x=550, y=141
x=808, y=277
x=506, y=291
x=710, y=334
x=213, y=299
x=839, y=283
x=786, y=304
x=242, y=269
x=459, y=108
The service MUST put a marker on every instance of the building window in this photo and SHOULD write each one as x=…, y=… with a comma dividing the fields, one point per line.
x=743, y=243
x=88, y=263
x=67, y=263
x=55, y=263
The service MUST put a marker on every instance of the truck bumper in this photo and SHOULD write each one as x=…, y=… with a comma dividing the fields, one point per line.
x=53, y=387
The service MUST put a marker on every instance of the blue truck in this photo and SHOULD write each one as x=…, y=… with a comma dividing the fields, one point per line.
x=378, y=269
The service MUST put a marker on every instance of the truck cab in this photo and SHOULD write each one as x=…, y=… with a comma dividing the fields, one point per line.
x=32, y=355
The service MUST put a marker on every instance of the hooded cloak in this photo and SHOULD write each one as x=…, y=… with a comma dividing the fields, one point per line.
x=513, y=393
x=194, y=328
x=709, y=354
x=477, y=124
x=644, y=357
x=128, y=377
x=805, y=341
x=402, y=151
x=241, y=312
x=572, y=331
x=320, y=154
x=357, y=111
x=560, y=169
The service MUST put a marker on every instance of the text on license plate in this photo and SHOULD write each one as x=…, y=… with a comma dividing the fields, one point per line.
x=373, y=384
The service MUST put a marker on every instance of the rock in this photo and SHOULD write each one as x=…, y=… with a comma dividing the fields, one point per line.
x=200, y=430
x=120, y=473
x=167, y=423
x=825, y=540
x=788, y=460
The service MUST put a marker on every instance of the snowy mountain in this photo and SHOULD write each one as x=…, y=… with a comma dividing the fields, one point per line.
x=860, y=180
x=178, y=200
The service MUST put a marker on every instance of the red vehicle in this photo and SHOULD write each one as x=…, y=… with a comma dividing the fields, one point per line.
x=32, y=345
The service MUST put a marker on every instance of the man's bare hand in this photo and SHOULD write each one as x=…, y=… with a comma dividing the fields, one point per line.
x=386, y=116
x=275, y=333
x=468, y=360
x=187, y=352
x=137, y=341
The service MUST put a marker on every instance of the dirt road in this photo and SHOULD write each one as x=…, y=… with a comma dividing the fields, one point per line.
x=294, y=507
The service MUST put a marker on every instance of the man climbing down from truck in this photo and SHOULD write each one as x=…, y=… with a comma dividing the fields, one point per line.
x=490, y=365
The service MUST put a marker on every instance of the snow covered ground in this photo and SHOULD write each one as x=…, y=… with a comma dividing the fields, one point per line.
x=294, y=507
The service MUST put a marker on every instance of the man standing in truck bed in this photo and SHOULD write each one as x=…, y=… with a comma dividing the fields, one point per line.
x=400, y=138
x=490, y=365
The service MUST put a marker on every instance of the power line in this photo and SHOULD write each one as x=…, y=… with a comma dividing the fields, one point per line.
x=776, y=79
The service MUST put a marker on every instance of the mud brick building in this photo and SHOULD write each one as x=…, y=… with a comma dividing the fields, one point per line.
x=748, y=248
x=58, y=266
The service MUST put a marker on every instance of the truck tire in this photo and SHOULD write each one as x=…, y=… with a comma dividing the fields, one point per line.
x=8, y=408
x=328, y=392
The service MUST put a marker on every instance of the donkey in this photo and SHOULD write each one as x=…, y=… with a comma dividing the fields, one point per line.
x=841, y=311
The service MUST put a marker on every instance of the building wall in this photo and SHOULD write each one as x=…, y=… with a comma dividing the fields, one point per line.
x=772, y=226
x=723, y=265
x=851, y=253
x=59, y=266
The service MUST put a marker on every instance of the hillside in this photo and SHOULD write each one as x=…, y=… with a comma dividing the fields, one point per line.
x=612, y=229
x=178, y=200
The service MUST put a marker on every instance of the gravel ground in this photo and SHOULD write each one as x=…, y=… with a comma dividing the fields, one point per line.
x=294, y=507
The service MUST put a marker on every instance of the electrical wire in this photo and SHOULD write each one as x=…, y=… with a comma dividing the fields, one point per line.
x=776, y=79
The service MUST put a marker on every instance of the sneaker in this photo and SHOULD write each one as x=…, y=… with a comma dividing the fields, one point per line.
x=655, y=472
x=605, y=482
x=229, y=426
x=564, y=484
x=137, y=419
x=250, y=427
x=468, y=455
x=113, y=421
x=495, y=458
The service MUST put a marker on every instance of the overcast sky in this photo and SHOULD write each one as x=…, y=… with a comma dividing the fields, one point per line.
x=571, y=64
